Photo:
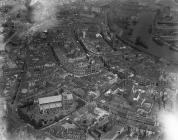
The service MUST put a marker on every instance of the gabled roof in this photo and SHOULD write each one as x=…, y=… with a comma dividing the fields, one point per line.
x=50, y=99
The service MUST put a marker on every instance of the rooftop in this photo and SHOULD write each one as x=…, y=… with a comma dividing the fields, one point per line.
x=50, y=99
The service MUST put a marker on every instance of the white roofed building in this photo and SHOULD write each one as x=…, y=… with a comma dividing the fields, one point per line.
x=63, y=101
x=50, y=102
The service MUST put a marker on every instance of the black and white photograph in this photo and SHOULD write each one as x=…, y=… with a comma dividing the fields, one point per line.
x=88, y=69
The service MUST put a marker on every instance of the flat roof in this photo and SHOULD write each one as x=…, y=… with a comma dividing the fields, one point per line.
x=50, y=99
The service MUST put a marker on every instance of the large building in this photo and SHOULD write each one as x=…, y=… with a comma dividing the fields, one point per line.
x=64, y=101
x=50, y=102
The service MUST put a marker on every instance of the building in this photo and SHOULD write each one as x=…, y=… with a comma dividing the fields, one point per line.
x=2, y=106
x=50, y=102
x=95, y=9
x=64, y=101
x=113, y=133
x=103, y=120
x=100, y=112
x=74, y=134
x=67, y=100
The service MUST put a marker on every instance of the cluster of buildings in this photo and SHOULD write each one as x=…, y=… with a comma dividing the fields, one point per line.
x=66, y=130
x=78, y=67
x=75, y=72
x=166, y=27
x=48, y=109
